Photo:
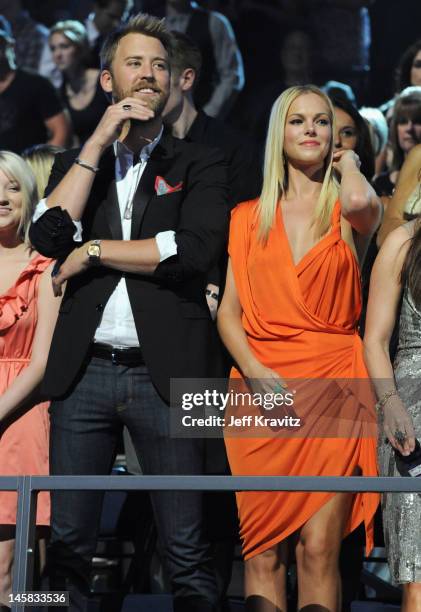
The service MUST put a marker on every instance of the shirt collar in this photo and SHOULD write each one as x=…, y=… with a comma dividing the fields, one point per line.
x=122, y=152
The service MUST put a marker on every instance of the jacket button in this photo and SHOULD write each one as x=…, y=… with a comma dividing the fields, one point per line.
x=99, y=307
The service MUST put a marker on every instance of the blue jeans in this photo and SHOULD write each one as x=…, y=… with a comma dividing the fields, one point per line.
x=85, y=426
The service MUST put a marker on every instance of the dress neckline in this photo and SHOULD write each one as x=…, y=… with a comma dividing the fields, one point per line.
x=334, y=224
x=21, y=273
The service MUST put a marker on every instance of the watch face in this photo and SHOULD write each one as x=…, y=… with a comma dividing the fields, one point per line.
x=94, y=252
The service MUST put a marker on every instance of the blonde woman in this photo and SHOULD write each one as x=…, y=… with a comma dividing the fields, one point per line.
x=290, y=311
x=28, y=312
x=80, y=91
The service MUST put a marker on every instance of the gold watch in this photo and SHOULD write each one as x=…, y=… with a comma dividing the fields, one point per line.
x=94, y=253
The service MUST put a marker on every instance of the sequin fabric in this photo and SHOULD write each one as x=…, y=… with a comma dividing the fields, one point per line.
x=402, y=511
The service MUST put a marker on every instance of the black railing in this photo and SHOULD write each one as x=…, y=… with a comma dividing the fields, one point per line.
x=28, y=488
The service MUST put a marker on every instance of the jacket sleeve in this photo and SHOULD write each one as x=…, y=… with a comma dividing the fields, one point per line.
x=202, y=231
x=52, y=234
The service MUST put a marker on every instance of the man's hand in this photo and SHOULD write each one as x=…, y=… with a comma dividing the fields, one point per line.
x=109, y=128
x=76, y=263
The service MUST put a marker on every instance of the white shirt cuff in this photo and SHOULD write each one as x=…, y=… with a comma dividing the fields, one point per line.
x=42, y=207
x=166, y=244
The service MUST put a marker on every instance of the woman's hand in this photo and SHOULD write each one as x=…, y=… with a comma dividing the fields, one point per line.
x=346, y=160
x=264, y=380
x=398, y=426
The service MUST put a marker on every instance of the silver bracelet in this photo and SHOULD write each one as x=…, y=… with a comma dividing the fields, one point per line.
x=83, y=164
x=385, y=398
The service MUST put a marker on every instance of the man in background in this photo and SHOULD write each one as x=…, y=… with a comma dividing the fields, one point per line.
x=222, y=68
x=30, y=110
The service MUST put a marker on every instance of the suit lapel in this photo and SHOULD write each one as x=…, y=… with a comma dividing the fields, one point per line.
x=158, y=165
x=112, y=210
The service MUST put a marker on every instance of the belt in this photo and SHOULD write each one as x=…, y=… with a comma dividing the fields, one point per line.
x=130, y=357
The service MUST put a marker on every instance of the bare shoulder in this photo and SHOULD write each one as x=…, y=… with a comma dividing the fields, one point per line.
x=394, y=249
x=399, y=238
x=414, y=156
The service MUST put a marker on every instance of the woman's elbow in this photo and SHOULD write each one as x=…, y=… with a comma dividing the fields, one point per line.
x=358, y=202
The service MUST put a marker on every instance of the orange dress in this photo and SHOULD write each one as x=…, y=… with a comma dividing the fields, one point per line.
x=24, y=442
x=301, y=321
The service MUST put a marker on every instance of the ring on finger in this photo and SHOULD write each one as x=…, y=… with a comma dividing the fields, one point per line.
x=127, y=107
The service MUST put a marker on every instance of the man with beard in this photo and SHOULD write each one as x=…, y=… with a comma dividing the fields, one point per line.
x=151, y=211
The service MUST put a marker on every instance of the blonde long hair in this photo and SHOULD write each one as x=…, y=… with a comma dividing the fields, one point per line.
x=15, y=168
x=275, y=182
x=40, y=159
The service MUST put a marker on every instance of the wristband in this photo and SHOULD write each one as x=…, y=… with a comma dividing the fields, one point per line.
x=83, y=164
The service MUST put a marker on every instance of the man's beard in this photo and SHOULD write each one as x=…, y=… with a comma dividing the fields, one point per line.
x=156, y=103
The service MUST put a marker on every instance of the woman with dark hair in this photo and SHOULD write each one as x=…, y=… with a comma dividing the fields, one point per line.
x=80, y=91
x=405, y=133
x=397, y=271
x=409, y=69
x=408, y=74
x=352, y=132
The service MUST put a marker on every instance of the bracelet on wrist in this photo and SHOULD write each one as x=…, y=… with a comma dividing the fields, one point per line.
x=83, y=164
x=385, y=398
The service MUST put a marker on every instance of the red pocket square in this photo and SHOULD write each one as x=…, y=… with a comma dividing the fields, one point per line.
x=162, y=187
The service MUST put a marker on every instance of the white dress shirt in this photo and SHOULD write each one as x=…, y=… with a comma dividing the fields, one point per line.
x=117, y=326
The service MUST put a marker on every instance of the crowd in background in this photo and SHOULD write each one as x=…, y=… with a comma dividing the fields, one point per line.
x=51, y=98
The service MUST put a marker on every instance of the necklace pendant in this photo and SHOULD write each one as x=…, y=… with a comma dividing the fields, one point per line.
x=128, y=214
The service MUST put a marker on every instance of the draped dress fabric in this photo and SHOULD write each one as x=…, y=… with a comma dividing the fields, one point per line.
x=25, y=439
x=301, y=321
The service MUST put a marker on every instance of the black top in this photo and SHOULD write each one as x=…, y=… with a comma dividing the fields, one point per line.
x=243, y=169
x=240, y=153
x=85, y=120
x=25, y=105
x=383, y=185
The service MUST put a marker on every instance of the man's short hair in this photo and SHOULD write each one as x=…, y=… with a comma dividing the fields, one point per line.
x=141, y=23
x=185, y=54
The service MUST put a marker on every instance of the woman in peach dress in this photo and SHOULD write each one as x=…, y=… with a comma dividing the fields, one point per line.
x=290, y=311
x=28, y=311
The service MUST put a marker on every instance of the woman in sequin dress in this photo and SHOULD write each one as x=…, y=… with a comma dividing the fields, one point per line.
x=397, y=268
x=28, y=311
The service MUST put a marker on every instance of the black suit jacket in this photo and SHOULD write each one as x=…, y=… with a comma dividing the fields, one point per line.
x=169, y=307
x=244, y=166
